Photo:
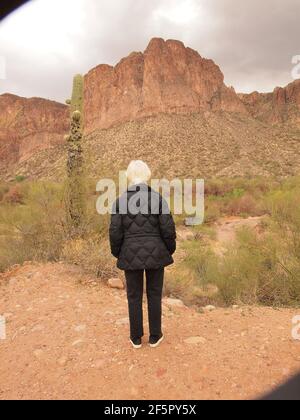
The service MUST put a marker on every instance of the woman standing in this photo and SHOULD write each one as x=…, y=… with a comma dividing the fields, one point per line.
x=143, y=238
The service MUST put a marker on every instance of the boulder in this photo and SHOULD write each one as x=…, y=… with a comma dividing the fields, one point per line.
x=171, y=303
x=116, y=283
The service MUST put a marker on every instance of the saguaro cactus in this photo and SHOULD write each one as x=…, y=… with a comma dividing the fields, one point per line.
x=75, y=161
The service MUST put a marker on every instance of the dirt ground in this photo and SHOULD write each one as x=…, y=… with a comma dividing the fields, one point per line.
x=67, y=338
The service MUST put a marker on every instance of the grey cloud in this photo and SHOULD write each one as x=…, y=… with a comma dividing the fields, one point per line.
x=253, y=42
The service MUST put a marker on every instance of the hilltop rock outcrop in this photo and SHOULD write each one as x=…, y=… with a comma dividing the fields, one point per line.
x=167, y=78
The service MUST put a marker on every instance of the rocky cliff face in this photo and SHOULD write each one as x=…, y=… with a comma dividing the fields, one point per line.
x=283, y=105
x=167, y=78
x=28, y=126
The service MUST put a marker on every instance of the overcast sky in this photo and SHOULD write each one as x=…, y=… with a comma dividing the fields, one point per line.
x=47, y=41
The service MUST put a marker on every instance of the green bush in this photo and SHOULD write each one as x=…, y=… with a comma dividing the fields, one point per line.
x=20, y=178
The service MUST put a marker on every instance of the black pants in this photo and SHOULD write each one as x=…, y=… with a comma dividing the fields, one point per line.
x=135, y=288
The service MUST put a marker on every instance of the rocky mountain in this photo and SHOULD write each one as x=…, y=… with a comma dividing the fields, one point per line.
x=281, y=106
x=169, y=106
x=28, y=126
x=167, y=78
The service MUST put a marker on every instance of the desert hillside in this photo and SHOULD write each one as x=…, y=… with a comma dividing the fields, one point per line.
x=169, y=106
x=222, y=145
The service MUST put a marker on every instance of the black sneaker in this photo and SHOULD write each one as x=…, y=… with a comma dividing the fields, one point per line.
x=136, y=343
x=155, y=340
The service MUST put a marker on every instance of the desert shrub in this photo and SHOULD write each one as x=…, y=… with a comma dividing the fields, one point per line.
x=260, y=267
x=236, y=197
x=92, y=254
x=213, y=211
x=259, y=270
x=260, y=186
x=179, y=285
x=235, y=187
x=14, y=195
x=199, y=258
x=4, y=188
x=193, y=280
x=33, y=230
x=217, y=187
x=284, y=209
x=20, y=178
x=289, y=184
x=255, y=270
x=245, y=205
x=37, y=229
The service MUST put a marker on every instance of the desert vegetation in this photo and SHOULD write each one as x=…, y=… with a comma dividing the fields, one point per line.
x=261, y=265
x=35, y=227
x=258, y=266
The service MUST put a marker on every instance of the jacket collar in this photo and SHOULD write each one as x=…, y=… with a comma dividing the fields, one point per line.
x=138, y=187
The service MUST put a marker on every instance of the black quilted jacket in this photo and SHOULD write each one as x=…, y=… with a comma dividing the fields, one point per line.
x=143, y=238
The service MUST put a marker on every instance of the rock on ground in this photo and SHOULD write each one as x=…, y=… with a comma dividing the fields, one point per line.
x=195, y=340
x=116, y=283
x=177, y=303
x=209, y=308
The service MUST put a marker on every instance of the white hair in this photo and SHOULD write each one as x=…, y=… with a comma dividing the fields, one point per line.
x=138, y=172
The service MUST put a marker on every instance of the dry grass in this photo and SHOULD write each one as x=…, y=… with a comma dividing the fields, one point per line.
x=91, y=254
